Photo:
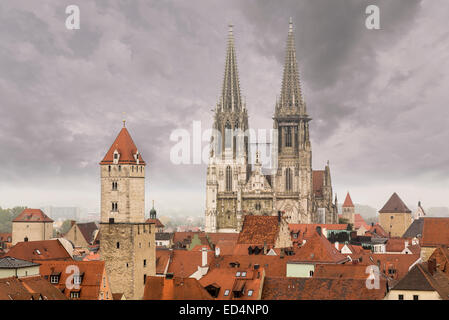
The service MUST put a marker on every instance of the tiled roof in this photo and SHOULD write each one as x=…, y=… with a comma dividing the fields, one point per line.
x=92, y=276
x=39, y=251
x=226, y=246
x=377, y=230
x=162, y=260
x=395, y=205
x=259, y=230
x=157, y=223
x=348, y=201
x=186, y=237
x=435, y=232
x=397, y=244
x=164, y=235
x=359, y=222
x=88, y=230
x=341, y=271
x=318, y=249
x=184, y=263
x=125, y=146
x=318, y=182
x=391, y=261
x=320, y=289
x=302, y=231
x=160, y=288
x=234, y=279
x=13, y=263
x=32, y=215
x=415, y=229
x=28, y=288
x=117, y=296
x=215, y=237
x=274, y=266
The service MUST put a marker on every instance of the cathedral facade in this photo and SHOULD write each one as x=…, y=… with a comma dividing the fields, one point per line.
x=234, y=187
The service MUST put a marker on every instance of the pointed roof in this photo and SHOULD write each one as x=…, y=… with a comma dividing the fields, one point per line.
x=291, y=95
x=230, y=98
x=348, y=201
x=125, y=146
x=395, y=205
x=32, y=215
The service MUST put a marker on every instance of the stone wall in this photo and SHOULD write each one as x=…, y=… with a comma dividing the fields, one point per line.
x=34, y=231
x=125, y=265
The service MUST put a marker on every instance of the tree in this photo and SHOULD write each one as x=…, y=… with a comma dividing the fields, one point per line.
x=65, y=227
x=7, y=216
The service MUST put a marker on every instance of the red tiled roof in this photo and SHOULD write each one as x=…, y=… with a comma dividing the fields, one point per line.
x=215, y=237
x=258, y=230
x=184, y=263
x=359, y=222
x=341, y=271
x=397, y=244
x=162, y=260
x=435, y=232
x=395, y=205
x=318, y=249
x=226, y=246
x=318, y=182
x=125, y=146
x=274, y=266
x=39, y=251
x=28, y=288
x=348, y=201
x=157, y=223
x=320, y=289
x=377, y=230
x=225, y=278
x=32, y=215
x=399, y=262
x=92, y=271
x=160, y=288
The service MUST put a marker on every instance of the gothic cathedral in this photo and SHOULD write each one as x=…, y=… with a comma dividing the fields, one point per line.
x=234, y=188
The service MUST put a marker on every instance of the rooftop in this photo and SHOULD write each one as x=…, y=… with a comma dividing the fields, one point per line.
x=32, y=215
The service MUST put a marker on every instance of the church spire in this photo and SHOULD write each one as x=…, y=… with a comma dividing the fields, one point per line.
x=230, y=98
x=291, y=95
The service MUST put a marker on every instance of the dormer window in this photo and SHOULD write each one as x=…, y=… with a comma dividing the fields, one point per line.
x=116, y=156
x=77, y=279
x=250, y=293
x=54, y=277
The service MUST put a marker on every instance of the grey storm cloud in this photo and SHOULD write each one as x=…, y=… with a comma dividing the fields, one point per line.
x=378, y=98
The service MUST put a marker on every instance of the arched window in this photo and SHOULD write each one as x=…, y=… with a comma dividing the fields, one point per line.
x=288, y=136
x=288, y=179
x=228, y=135
x=228, y=178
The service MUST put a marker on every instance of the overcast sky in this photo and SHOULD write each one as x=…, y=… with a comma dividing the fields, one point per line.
x=378, y=98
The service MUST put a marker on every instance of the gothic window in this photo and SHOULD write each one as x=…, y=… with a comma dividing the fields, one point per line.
x=228, y=178
x=114, y=207
x=109, y=168
x=114, y=186
x=228, y=135
x=288, y=179
x=288, y=137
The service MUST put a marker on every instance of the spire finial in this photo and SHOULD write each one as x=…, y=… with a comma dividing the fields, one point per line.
x=153, y=204
x=290, y=24
x=124, y=120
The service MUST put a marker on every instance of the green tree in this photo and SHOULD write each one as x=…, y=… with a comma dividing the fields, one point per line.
x=7, y=216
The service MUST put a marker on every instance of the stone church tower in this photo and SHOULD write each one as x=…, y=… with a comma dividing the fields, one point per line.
x=293, y=180
x=228, y=166
x=127, y=243
x=293, y=190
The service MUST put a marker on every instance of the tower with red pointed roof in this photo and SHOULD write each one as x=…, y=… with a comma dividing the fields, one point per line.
x=348, y=209
x=127, y=241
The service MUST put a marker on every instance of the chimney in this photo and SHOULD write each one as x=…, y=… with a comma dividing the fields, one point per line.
x=265, y=249
x=204, y=257
x=318, y=230
x=336, y=245
x=406, y=244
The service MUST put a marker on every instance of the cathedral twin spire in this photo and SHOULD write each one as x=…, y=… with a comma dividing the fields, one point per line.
x=231, y=99
x=291, y=99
